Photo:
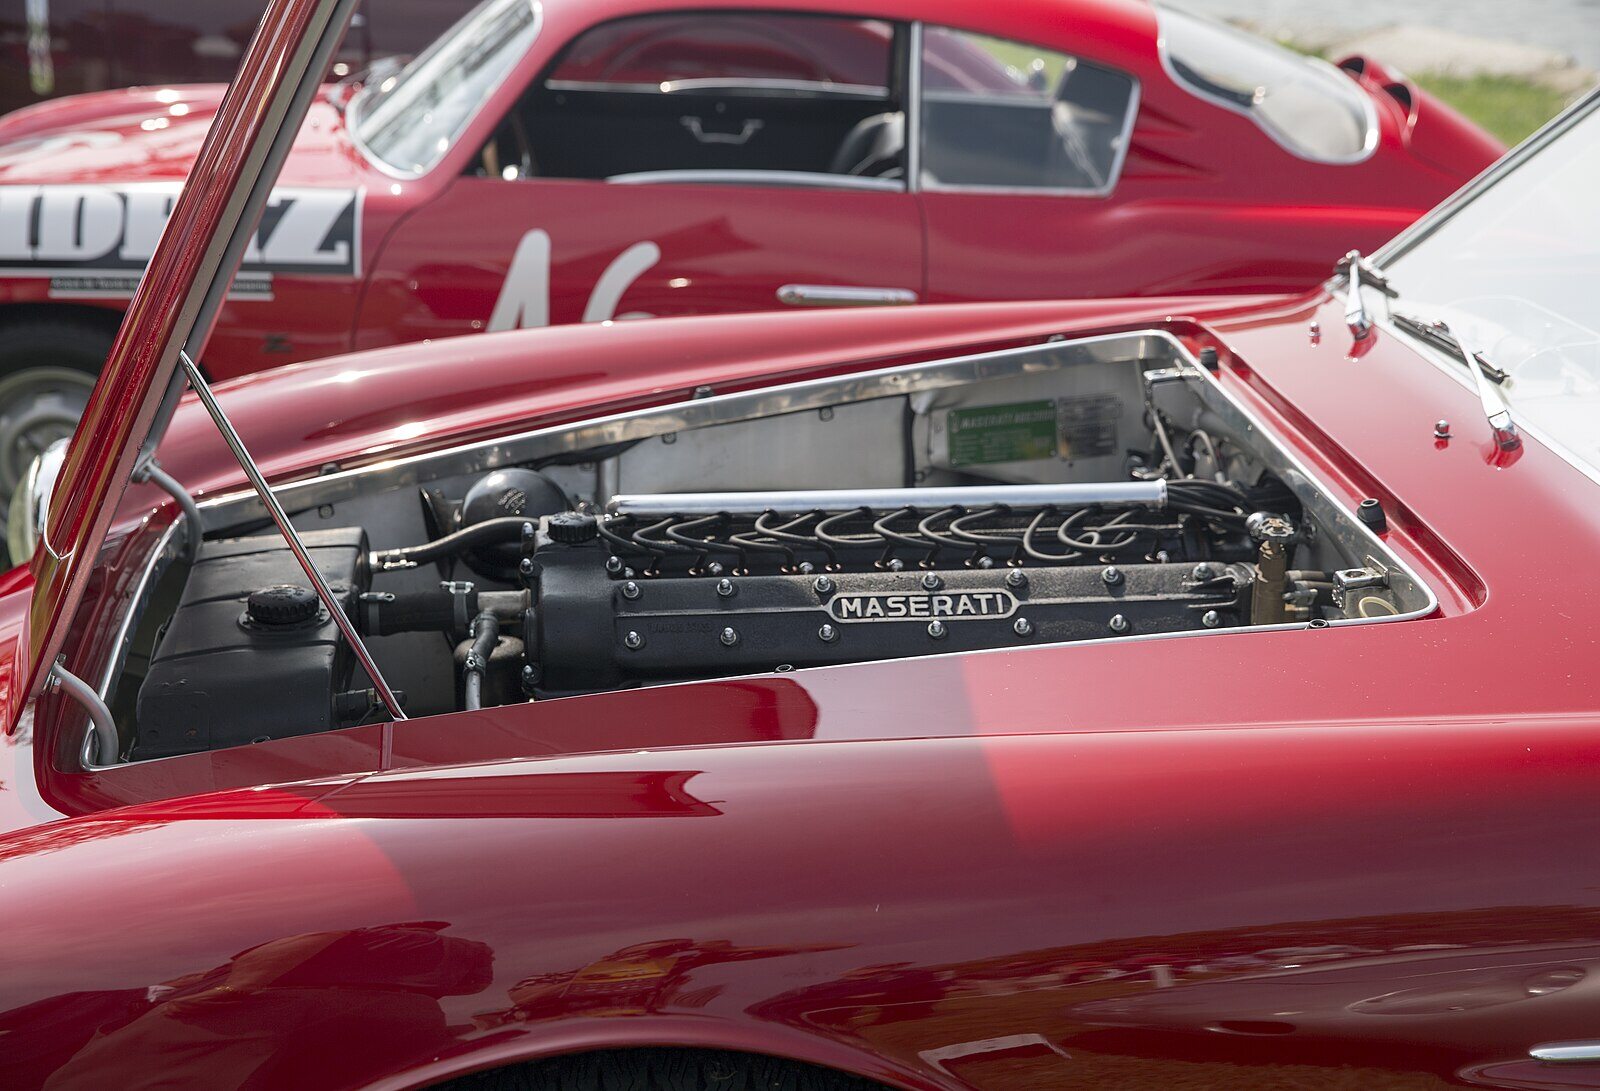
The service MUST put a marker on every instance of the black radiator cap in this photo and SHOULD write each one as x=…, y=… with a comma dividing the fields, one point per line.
x=282, y=604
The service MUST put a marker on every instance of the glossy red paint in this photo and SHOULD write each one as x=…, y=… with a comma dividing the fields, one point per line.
x=1132, y=898
x=1337, y=855
x=1207, y=202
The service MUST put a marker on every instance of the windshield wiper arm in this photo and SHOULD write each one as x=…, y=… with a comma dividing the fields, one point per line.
x=1484, y=375
x=1357, y=271
x=1495, y=409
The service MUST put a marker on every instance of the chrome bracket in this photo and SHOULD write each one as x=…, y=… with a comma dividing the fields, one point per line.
x=150, y=470
x=1357, y=272
x=102, y=742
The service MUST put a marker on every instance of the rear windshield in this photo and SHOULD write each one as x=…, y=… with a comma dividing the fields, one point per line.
x=1303, y=103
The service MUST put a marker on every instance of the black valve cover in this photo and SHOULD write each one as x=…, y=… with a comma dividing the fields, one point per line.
x=597, y=630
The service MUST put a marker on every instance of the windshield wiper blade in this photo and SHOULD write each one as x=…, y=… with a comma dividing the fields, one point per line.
x=1358, y=271
x=1485, y=375
x=1439, y=336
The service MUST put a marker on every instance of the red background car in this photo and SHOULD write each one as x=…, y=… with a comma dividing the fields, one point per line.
x=585, y=161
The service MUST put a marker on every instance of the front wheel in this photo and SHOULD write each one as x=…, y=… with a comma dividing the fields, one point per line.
x=47, y=369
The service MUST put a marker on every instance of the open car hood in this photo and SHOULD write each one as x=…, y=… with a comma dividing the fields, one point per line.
x=173, y=311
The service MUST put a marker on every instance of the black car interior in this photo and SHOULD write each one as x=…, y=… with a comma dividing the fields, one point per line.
x=579, y=123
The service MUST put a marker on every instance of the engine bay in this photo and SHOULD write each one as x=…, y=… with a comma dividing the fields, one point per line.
x=1103, y=489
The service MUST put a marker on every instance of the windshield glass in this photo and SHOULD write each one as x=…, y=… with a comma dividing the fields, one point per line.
x=1305, y=104
x=410, y=119
x=1516, y=270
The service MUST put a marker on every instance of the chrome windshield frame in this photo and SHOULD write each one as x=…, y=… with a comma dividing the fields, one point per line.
x=353, y=110
x=1494, y=174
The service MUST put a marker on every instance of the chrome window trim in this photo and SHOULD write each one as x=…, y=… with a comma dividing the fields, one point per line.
x=711, y=86
x=1368, y=109
x=775, y=178
x=912, y=152
x=165, y=553
x=352, y=115
x=914, y=131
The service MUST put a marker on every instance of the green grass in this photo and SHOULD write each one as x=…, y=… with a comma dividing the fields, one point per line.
x=1509, y=108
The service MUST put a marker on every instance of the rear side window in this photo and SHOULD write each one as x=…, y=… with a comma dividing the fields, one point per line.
x=1303, y=103
x=1004, y=115
x=720, y=97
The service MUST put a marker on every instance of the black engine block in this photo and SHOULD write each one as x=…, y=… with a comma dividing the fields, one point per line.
x=618, y=602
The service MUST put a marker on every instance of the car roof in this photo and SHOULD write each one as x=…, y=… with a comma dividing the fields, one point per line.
x=1115, y=24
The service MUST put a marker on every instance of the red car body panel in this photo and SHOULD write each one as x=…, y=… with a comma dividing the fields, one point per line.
x=1207, y=202
x=1224, y=863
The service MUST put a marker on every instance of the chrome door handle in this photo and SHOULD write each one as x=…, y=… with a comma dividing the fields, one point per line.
x=843, y=295
x=1586, y=1052
x=697, y=130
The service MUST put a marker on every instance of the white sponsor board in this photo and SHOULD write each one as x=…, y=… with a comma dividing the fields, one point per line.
x=94, y=241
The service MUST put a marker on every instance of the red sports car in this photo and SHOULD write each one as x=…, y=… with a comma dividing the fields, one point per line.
x=1150, y=693
x=572, y=161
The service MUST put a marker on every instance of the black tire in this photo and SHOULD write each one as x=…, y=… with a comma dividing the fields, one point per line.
x=661, y=1070
x=47, y=368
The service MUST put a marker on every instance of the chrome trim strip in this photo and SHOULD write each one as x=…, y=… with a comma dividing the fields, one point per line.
x=844, y=295
x=808, y=179
x=161, y=559
x=1586, y=1052
x=913, y=109
x=731, y=85
x=1078, y=494
x=544, y=443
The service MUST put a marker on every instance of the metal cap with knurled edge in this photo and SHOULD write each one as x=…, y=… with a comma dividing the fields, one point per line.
x=571, y=528
x=282, y=604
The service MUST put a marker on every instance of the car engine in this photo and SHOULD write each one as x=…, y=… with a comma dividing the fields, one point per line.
x=1123, y=503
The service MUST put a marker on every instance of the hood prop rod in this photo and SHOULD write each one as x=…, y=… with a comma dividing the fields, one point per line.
x=202, y=389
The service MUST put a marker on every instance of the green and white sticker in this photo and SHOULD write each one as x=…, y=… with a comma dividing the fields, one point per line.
x=1019, y=432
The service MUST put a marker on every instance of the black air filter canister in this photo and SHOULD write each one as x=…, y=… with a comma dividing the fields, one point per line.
x=507, y=494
